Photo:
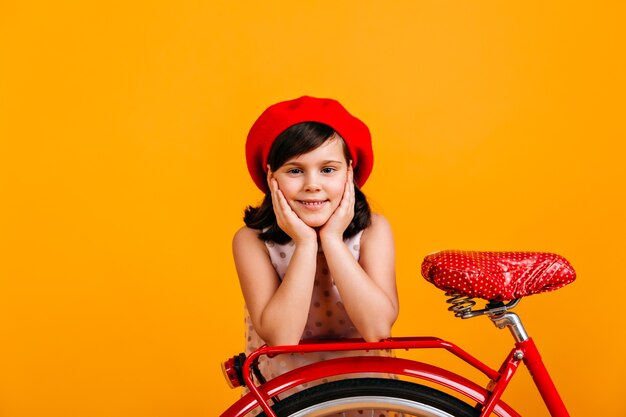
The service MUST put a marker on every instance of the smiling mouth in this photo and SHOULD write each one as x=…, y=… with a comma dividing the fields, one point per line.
x=312, y=204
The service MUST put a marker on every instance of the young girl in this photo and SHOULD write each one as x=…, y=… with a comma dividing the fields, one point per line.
x=313, y=261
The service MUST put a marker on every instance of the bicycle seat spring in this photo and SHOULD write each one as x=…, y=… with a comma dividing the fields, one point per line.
x=461, y=304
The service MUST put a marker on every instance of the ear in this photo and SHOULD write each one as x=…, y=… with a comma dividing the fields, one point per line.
x=270, y=174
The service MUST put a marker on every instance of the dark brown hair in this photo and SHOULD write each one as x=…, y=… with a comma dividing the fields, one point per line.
x=295, y=141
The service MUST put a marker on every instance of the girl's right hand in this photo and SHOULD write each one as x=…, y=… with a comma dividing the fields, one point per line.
x=286, y=218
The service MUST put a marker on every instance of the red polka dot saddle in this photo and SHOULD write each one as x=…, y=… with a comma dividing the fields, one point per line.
x=497, y=276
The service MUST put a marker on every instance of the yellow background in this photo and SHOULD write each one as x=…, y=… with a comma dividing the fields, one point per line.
x=497, y=125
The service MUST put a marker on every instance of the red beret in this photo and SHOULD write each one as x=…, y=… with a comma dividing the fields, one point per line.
x=279, y=117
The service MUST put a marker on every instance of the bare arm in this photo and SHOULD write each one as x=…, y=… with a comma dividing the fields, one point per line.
x=278, y=310
x=367, y=287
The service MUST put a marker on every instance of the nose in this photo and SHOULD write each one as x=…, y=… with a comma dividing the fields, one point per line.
x=312, y=182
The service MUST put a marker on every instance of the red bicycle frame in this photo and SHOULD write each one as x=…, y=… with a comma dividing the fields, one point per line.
x=488, y=399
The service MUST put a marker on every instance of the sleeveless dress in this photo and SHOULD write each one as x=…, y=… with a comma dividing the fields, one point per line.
x=327, y=319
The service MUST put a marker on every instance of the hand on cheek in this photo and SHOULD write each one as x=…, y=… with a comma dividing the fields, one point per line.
x=344, y=213
x=286, y=218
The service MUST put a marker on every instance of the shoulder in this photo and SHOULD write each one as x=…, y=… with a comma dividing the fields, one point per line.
x=378, y=234
x=246, y=238
x=380, y=220
x=380, y=225
x=245, y=232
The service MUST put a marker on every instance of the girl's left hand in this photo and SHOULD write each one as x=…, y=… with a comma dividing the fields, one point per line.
x=344, y=213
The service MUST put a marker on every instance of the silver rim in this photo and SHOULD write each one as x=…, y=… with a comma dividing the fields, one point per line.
x=371, y=402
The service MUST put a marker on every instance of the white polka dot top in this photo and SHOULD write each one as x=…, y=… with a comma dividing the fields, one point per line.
x=327, y=316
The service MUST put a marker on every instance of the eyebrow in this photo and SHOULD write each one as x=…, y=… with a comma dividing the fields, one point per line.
x=326, y=162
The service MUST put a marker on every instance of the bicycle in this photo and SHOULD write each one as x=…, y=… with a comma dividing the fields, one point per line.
x=500, y=278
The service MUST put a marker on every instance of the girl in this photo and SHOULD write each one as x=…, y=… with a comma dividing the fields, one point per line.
x=313, y=261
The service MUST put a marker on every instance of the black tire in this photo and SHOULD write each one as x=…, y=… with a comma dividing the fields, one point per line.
x=404, y=398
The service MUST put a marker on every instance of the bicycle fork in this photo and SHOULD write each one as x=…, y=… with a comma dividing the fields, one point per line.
x=525, y=350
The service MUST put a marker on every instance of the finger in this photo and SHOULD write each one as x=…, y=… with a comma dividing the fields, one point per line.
x=278, y=199
x=346, y=199
x=350, y=184
x=282, y=200
x=276, y=203
x=282, y=208
x=351, y=196
x=351, y=178
x=351, y=192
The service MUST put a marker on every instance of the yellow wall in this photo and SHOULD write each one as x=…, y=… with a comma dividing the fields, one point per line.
x=497, y=126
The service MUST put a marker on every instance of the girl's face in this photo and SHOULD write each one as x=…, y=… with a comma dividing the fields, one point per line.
x=313, y=183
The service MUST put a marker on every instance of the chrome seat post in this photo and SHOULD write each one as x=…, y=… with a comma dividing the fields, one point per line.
x=513, y=322
x=498, y=312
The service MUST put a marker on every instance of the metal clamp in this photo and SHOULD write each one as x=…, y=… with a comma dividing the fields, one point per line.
x=462, y=306
x=513, y=322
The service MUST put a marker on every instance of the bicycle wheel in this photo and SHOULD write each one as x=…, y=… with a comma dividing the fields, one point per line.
x=372, y=397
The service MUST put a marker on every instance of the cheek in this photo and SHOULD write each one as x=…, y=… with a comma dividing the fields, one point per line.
x=337, y=189
x=287, y=186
